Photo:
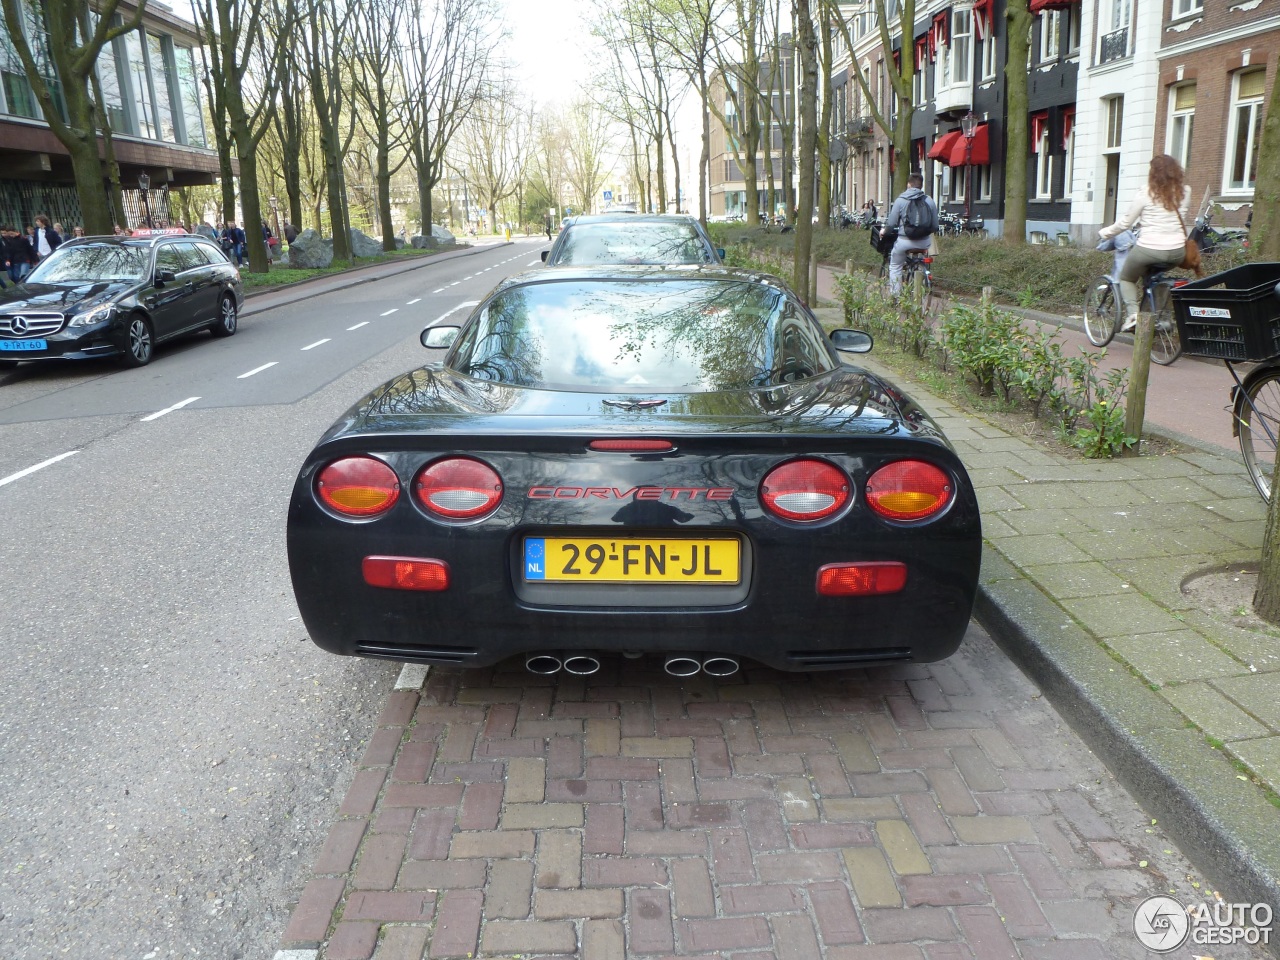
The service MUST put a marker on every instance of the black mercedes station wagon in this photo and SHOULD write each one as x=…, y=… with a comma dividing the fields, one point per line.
x=119, y=297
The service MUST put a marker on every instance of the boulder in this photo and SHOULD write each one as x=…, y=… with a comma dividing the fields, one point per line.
x=422, y=243
x=440, y=234
x=362, y=245
x=400, y=243
x=310, y=252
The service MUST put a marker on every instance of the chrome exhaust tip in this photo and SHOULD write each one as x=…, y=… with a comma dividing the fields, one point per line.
x=681, y=666
x=581, y=665
x=720, y=666
x=542, y=663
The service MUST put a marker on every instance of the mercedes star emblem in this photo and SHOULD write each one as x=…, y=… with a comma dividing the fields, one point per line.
x=20, y=324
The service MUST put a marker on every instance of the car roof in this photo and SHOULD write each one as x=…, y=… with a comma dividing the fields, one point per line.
x=614, y=271
x=624, y=217
x=150, y=241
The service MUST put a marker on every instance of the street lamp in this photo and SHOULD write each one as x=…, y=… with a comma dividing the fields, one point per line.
x=144, y=184
x=969, y=127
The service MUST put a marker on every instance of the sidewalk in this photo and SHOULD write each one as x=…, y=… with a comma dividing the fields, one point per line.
x=1081, y=587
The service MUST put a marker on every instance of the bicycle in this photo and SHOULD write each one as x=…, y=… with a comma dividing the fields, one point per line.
x=1103, y=308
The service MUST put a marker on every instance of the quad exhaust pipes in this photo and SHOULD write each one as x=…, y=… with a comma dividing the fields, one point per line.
x=585, y=664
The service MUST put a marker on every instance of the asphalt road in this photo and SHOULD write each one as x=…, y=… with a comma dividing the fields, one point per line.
x=170, y=741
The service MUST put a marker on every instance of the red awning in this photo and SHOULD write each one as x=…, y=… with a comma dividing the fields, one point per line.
x=1068, y=118
x=1039, y=6
x=979, y=156
x=982, y=17
x=942, y=147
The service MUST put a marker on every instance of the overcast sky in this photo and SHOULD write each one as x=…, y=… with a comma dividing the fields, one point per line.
x=551, y=44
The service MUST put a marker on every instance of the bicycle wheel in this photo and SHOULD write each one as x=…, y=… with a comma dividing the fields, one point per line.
x=1258, y=421
x=1101, y=311
x=1166, y=346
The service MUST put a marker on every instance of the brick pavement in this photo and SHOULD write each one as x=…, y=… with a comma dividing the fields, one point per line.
x=922, y=812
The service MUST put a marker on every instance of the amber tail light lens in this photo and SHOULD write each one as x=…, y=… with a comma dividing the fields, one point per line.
x=909, y=490
x=405, y=573
x=805, y=490
x=458, y=488
x=861, y=579
x=358, y=487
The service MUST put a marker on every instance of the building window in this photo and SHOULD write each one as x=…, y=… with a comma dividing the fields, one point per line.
x=139, y=86
x=1185, y=8
x=1050, y=35
x=1044, y=165
x=1069, y=149
x=113, y=99
x=189, y=96
x=989, y=62
x=1245, y=134
x=983, y=176
x=1182, y=113
x=1113, y=27
x=962, y=46
x=1073, y=31
x=19, y=99
x=1115, y=122
x=160, y=76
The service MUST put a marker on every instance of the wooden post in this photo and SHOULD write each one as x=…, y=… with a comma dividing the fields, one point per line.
x=848, y=268
x=1135, y=409
x=988, y=294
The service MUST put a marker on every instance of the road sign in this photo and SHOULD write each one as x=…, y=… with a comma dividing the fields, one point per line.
x=608, y=194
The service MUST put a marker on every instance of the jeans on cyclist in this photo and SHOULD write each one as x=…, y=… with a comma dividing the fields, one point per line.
x=1137, y=263
x=898, y=257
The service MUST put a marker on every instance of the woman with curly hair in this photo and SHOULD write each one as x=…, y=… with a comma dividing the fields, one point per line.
x=1160, y=209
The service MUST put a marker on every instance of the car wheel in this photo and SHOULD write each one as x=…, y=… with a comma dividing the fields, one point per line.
x=139, y=342
x=225, y=325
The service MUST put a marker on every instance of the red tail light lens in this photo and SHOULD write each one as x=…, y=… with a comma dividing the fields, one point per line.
x=405, y=573
x=459, y=488
x=805, y=490
x=909, y=490
x=358, y=487
x=861, y=579
x=632, y=446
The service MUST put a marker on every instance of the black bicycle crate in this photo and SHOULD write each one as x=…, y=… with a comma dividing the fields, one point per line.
x=1233, y=315
x=883, y=245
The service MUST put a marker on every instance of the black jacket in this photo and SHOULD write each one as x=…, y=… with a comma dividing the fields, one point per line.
x=17, y=250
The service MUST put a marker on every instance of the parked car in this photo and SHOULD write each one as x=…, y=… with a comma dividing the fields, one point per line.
x=632, y=238
x=673, y=461
x=119, y=297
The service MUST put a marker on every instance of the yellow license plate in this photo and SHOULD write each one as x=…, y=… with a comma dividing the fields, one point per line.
x=636, y=560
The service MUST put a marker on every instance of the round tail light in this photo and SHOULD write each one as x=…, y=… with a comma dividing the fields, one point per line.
x=805, y=490
x=358, y=487
x=459, y=488
x=909, y=490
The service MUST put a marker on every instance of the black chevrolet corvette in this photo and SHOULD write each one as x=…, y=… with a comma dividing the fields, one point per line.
x=670, y=461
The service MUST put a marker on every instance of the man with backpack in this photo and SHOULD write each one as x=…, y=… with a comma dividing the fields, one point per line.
x=914, y=218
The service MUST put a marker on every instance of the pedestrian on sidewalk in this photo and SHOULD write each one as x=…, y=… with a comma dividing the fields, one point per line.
x=1160, y=210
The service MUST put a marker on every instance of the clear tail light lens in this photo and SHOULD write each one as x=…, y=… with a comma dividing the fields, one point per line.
x=805, y=490
x=861, y=579
x=358, y=487
x=909, y=490
x=406, y=573
x=458, y=488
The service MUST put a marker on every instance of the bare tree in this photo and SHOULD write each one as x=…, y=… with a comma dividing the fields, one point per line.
x=807, y=48
x=1018, y=19
x=326, y=35
x=237, y=50
x=737, y=66
x=453, y=52
x=493, y=149
x=55, y=27
x=588, y=140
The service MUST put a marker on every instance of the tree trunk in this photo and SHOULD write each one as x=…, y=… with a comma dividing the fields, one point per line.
x=704, y=161
x=1017, y=145
x=808, y=111
x=1265, y=231
x=251, y=208
x=1266, y=598
x=384, y=198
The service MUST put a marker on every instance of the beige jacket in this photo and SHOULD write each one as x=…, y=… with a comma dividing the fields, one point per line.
x=1161, y=228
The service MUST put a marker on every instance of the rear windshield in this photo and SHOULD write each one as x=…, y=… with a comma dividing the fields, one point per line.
x=643, y=336
x=92, y=262
x=641, y=242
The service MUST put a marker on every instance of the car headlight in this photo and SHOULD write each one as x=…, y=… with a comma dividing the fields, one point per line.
x=97, y=314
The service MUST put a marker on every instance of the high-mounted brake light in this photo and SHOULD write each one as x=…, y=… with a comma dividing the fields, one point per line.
x=909, y=490
x=805, y=490
x=861, y=579
x=458, y=488
x=632, y=446
x=358, y=487
x=405, y=573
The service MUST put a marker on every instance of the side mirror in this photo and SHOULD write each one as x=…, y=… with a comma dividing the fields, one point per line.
x=439, y=338
x=544, y=255
x=165, y=276
x=720, y=252
x=851, y=341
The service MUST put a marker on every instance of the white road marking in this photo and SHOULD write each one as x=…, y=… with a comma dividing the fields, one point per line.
x=39, y=466
x=177, y=406
x=389, y=312
x=438, y=290
x=412, y=676
x=311, y=346
x=413, y=301
x=464, y=303
x=455, y=283
x=257, y=369
x=363, y=323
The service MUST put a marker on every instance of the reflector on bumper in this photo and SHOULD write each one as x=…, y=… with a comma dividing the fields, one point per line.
x=861, y=579
x=406, y=573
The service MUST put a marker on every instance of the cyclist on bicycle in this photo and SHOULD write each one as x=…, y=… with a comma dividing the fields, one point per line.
x=914, y=218
x=1160, y=207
